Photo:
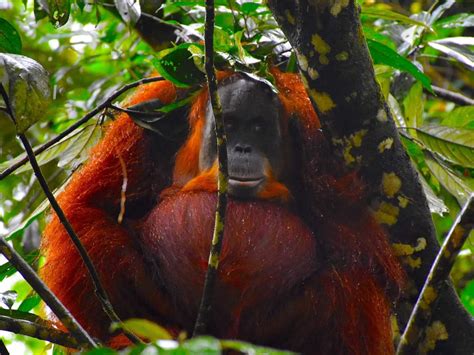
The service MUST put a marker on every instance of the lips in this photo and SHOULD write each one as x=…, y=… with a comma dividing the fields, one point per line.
x=245, y=182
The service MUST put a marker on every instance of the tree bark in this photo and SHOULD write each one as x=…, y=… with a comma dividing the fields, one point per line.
x=334, y=61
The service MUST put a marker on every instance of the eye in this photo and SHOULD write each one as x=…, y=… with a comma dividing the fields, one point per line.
x=258, y=127
x=229, y=126
x=258, y=124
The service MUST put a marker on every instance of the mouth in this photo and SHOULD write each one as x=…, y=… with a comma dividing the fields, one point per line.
x=245, y=182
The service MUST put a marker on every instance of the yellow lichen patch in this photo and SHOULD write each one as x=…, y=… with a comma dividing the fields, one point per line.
x=303, y=61
x=414, y=263
x=429, y=296
x=395, y=327
x=348, y=157
x=338, y=6
x=434, y=333
x=320, y=45
x=385, y=144
x=382, y=115
x=401, y=249
x=289, y=17
x=403, y=201
x=322, y=100
x=356, y=138
x=323, y=59
x=391, y=184
x=457, y=236
x=387, y=213
x=313, y=73
x=342, y=56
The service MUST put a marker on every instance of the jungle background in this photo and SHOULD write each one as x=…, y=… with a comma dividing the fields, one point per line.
x=423, y=58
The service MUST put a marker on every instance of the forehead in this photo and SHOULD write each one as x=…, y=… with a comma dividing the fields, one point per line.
x=247, y=98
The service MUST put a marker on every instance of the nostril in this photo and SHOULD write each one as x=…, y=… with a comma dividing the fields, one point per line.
x=243, y=149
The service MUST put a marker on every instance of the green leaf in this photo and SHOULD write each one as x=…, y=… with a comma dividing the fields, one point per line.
x=177, y=66
x=146, y=329
x=453, y=144
x=457, y=48
x=28, y=88
x=59, y=11
x=382, y=13
x=467, y=296
x=455, y=21
x=436, y=204
x=453, y=183
x=247, y=348
x=40, y=9
x=29, y=303
x=68, y=148
x=381, y=54
x=413, y=106
x=461, y=117
x=10, y=41
x=249, y=8
x=203, y=345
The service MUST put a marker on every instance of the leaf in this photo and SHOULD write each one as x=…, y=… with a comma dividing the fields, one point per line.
x=59, y=11
x=129, y=10
x=413, y=106
x=177, y=66
x=40, y=9
x=453, y=144
x=10, y=41
x=459, y=20
x=29, y=303
x=381, y=54
x=467, y=296
x=457, y=48
x=27, y=84
x=8, y=298
x=249, y=8
x=146, y=329
x=450, y=181
x=436, y=204
x=69, y=147
x=382, y=13
x=440, y=10
x=247, y=348
x=461, y=117
x=203, y=345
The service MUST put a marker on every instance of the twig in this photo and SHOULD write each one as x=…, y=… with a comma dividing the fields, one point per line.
x=46, y=295
x=98, y=288
x=222, y=181
x=78, y=123
x=39, y=331
x=452, y=96
x=421, y=314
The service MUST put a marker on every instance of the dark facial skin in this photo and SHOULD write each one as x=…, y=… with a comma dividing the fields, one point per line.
x=251, y=113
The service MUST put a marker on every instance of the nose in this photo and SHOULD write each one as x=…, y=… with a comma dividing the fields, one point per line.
x=242, y=149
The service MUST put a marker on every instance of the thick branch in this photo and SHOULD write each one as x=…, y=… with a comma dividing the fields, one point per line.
x=334, y=61
x=39, y=331
x=453, y=96
x=218, y=235
x=422, y=312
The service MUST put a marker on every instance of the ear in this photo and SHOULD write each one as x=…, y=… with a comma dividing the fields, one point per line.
x=168, y=121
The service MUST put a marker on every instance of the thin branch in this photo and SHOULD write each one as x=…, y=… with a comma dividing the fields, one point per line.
x=453, y=96
x=421, y=314
x=3, y=348
x=39, y=331
x=46, y=295
x=79, y=123
x=218, y=235
x=98, y=288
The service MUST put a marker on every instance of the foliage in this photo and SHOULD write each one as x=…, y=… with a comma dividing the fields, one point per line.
x=90, y=49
